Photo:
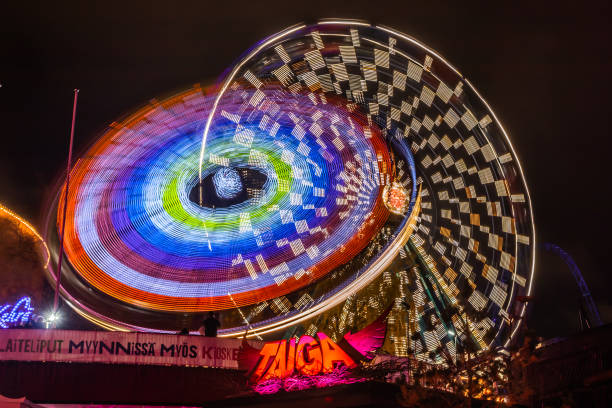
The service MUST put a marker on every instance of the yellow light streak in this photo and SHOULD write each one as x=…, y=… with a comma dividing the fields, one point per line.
x=29, y=227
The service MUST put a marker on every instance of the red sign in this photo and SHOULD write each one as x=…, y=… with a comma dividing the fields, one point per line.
x=309, y=355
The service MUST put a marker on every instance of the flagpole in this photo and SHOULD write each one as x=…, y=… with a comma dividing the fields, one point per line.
x=61, y=246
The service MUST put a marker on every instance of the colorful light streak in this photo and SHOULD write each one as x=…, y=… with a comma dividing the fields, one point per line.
x=373, y=99
x=134, y=234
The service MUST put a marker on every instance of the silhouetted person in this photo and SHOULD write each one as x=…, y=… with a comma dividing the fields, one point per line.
x=210, y=325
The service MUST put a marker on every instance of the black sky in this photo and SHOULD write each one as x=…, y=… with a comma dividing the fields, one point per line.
x=544, y=67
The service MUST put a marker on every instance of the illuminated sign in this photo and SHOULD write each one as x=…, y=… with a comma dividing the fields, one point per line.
x=309, y=355
x=19, y=313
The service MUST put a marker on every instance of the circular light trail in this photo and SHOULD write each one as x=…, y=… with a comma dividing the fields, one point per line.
x=142, y=240
x=331, y=157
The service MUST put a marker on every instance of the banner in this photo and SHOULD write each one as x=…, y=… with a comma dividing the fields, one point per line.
x=119, y=348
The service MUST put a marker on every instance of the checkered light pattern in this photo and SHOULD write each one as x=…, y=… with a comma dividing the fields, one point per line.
x=474, y=240
x=330, y=113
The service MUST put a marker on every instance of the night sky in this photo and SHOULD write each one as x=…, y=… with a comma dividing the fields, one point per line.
x=544, y=68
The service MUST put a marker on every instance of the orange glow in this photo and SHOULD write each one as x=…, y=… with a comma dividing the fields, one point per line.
x=278, y=369
x=29, y=228
x=269, y=350
x=290, y=359
x=312, y=357
x=333, y=354
x=309, y=359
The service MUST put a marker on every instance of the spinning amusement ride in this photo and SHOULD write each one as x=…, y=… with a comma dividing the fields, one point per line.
x=338, y=171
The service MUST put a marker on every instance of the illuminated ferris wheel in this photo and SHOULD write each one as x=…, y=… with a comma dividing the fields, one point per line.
x=339, y=170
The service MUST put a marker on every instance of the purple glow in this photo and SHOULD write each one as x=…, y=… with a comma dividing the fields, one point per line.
x=341, y=375
x=370, y=338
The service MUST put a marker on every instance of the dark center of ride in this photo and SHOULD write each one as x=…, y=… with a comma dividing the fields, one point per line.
x=208, y=193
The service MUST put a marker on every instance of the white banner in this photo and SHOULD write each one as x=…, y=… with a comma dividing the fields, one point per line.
x=119, y=348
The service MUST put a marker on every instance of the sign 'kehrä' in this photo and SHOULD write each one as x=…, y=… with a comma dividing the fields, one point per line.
x=19, y=313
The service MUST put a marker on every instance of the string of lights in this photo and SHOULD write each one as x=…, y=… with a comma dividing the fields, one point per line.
x=46, y=255
x=20, y=313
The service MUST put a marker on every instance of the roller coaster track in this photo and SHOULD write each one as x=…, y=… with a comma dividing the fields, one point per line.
x=593, y=312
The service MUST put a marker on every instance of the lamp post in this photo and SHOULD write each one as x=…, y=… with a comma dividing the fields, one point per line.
x=58, y=277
